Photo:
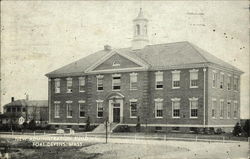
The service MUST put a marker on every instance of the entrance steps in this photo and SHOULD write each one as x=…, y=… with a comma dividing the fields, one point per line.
x=102, y=128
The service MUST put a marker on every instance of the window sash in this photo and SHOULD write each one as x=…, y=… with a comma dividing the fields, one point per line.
x=116, y=83
x=69, y=85
x=159, y=109
x=176, y=112
x=214, y=104
x=214, y=79
x=221, y=108
x=57, y=86
x=176, y=105
x=133, y=81
x=69, y=110
x=235, y=110
x=57, y=110
x=193, y=75
x=99, y=84
x=176, y=76
x=100, y=109
x=81, y=110
x=133, y=109
x=194, y=104
x=229, y=109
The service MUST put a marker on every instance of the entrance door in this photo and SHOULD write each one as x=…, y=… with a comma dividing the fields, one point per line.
x=116, y=112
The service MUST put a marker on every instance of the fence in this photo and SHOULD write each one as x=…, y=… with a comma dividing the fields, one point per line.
x=134, y=137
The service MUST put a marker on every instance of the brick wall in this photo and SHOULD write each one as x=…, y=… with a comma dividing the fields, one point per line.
x=218, y=93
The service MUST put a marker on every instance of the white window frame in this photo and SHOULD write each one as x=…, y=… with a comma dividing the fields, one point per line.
x=135, y=101
x=97, y=110
x=67, y=109
x=99, y=77
x=159, y=73
x=176, y=100
x=221, y=110
x=236, y=81
x=229, y=82
x=213, y=108
x=116, y=63
x=193, y=99
x=222, y=80
x=236, y=105
x=82, y=80
x=116, y=75
x=178, y=74
x=69, y=80
x=79, y=104
x=214, y=79
x=158, y=100
x=190, y=79
x=133, y=75
x=229, y=109
x=57, y=103
x=57, y=85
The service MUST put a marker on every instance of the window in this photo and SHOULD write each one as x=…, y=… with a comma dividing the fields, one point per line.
x=175, y=129
x=57, y=85
x=176, y=107
x=116, y=82
x=159, y=80
x=214, y=105
x=81, y=109
x=69, y=85
x=235, y=109
x=228, y=109
x=24, y=109
x=8, y=109
x=193, y=78
x=137, y=29
x=57, y=109
x=158, y=108
x=116, y=63
x=222, y=80
x=236, y=83
x=99, y=82
x=81, y=84
x=99, y=108
x=133, y=108
x=221, y=108
x=133, y=81
x=193, y=107
x=175, y=79
x=214, y=79
x=229, y=82
x=69, y=109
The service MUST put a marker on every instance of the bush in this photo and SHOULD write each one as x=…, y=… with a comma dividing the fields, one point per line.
x=87, y=128
x=246, y=127
x=237, y=129
x=138, y=125
x=32, y=125
x=218, y=131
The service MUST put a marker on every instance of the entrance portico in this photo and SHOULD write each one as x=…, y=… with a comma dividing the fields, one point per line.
x=115, y=107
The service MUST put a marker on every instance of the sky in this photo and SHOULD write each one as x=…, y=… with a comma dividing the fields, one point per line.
x=38, y=37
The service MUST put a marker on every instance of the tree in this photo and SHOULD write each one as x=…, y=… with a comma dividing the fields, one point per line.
x=237, y=129
x=32, y=124
x=246, y=127
x=87, y=128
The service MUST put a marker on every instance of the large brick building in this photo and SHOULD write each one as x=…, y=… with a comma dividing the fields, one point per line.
x=174, y=85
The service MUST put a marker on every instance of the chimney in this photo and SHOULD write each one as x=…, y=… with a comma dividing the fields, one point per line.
x=107, y=47
x=27, y=97
x=12, y=99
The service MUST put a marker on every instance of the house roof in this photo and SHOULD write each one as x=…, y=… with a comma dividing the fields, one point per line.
x=28, y=103
x=158, y=56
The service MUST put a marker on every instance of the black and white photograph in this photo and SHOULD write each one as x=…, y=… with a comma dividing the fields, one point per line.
x=125, y=79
